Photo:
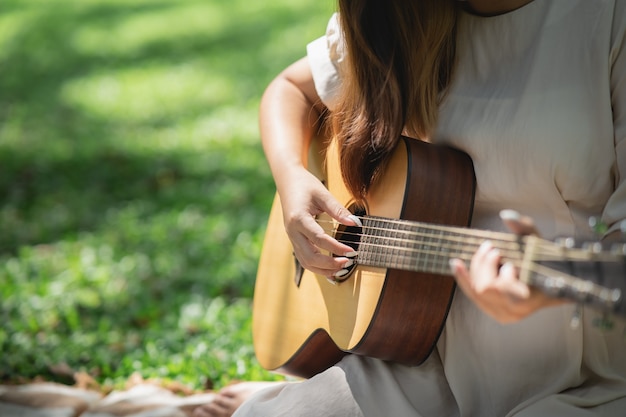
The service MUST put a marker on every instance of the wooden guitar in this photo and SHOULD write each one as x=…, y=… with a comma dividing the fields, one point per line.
x=394, y=302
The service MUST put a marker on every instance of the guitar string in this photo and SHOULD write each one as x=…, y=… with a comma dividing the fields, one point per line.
x=538, y=275
x=444, y=251
x=507, y=243
x=417, y=247
x=459, y=231
x=440, y=264
x=509, y=247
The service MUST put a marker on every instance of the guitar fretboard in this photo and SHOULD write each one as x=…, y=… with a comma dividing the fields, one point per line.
x=418, y=247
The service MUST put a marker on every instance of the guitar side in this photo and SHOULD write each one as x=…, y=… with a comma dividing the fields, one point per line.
x=384, y=313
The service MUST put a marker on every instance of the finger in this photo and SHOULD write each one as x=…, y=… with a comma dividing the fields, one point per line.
x=460, y=272
x=518, y=224
x=338, y=212
x=321, y=264
x=464, y=280
x=503, y=297
x=319, y=238
x=509, y=284
x=484, y=267
x=311, y=258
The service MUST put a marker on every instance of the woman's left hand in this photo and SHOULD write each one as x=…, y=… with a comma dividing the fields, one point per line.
x=495, y=287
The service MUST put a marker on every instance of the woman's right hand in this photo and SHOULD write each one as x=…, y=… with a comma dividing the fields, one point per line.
x=303, y=198
x=291, y=113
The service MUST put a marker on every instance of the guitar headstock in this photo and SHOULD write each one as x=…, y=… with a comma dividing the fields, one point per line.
x=591, y=273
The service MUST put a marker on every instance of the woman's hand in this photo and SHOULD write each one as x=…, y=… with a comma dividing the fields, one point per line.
x=291, y=114
x=303, y=198
x=495, y=288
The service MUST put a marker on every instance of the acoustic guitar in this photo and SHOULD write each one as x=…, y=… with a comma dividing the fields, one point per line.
x=393, y=303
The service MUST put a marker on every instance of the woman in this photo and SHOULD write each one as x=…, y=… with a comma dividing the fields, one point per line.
x=535, y=93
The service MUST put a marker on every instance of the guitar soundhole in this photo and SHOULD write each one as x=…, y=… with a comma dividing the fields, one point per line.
x=351, y=236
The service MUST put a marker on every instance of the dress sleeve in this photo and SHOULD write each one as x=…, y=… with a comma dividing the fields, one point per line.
x=615, y=209
x=326, y=58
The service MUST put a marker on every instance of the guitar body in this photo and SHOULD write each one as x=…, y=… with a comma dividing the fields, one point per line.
x=302, y=324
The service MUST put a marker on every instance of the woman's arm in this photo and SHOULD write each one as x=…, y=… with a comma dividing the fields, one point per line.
x=291, y=113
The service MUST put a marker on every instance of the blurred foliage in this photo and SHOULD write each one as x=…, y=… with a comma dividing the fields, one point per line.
x=134, y=192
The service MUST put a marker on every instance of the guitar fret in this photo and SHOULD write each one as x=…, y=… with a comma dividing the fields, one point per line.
x=409, y=247
x=379, y=243
x=443, y=258
x=430, y=255
x=399, y=255
x=386, y=243
x=420, y=249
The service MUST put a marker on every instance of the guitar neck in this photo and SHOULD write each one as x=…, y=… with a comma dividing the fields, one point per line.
x=559, y=269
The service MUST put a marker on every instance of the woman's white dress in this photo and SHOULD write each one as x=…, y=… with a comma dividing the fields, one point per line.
x=539, y=103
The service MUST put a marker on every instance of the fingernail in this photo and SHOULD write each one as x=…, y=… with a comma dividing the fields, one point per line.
x=356, y=220
x=332, y=281
x=509, y=214
x=340, y=273
x=348, y=263
x=485, y=245
x=352, y=254
x=452, y=263
x=507, y=268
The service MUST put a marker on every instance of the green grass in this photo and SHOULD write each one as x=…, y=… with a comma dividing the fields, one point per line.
x=134, y=192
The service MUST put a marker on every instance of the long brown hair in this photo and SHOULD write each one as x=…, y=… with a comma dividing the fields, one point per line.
x=400, y=57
